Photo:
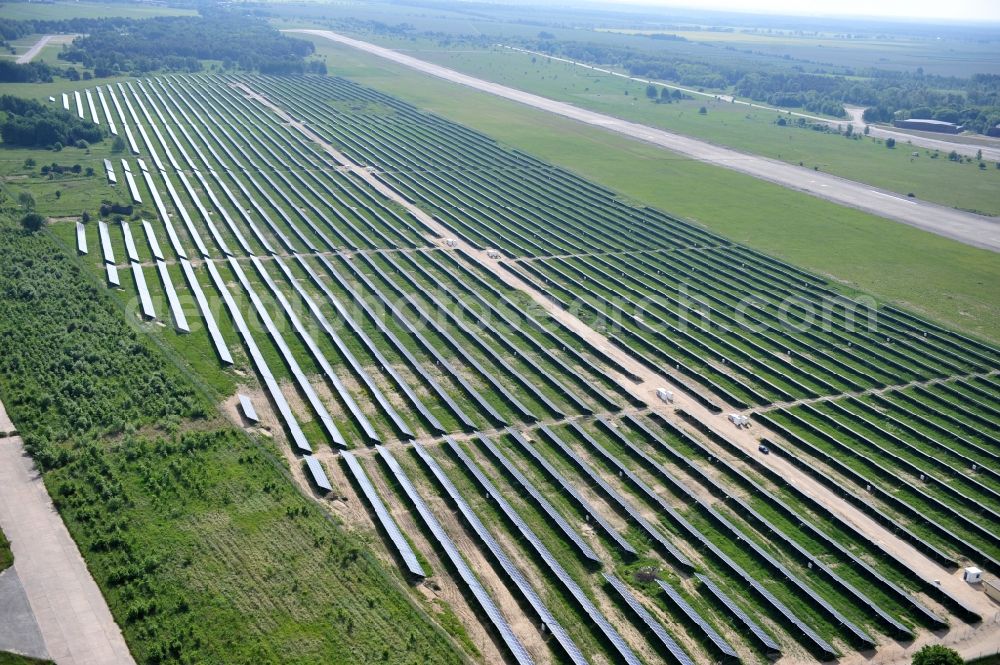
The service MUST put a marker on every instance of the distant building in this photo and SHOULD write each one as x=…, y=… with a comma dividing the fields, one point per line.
x=993, y=131
x=927, y=125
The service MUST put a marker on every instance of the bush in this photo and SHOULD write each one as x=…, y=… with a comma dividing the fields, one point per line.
x=32, y=222
x=890, y=143
x=703, y=111
x=26, y=200
x=937, y=654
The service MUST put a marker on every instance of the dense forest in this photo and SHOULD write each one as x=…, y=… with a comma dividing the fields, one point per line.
x=31, y=124
x=115, y=46
x=32, y=72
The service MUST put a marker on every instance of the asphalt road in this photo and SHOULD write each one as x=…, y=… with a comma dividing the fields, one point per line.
x=969, y=228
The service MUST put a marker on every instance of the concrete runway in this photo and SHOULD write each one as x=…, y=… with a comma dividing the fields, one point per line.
x=30, y=54
x=969, y=228
x=75, y=623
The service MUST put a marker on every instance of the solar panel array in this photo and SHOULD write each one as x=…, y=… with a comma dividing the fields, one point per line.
x=721, y=645
x=668, y=547
x=567, y=488
x=249, y=195
x=574, y=590
x=130, y=249
x=513, y=572
x=817, y=642
x=676, y=652
x=760, y=635
x=382, y=513
x=301, y=380
x=514, y=646
x=539, y=499
x=402, y=428
x=105, y=236
x=145, y=302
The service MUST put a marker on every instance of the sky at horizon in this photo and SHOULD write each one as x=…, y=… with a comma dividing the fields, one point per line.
x=958, y=10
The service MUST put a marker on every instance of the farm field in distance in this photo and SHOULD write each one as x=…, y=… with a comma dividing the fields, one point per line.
x=324, y=360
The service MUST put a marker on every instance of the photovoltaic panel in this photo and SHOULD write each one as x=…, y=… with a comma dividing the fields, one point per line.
x=206, y=312
x=248, y=411
x=130, y=248
x=112, y=270
x=102, y=231
x=317, y=473
x=514, y=574
x=81, y=238
x=388, y=524
x=154, y=244
x=539, y=499
x=721, y=645
x=180, y=320
x=514, y=646
x=679, y=655
x=759, y=634
x=579, y=596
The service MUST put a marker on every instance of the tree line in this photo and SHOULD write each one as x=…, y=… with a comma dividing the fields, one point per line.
x=119, y=46
x=31, y=124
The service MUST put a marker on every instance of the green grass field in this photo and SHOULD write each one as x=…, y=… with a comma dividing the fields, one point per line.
x=17, y=659
x=945, y=280
x=959, y=185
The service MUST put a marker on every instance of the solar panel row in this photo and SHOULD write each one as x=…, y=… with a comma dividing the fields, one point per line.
x=721, y=645
x=727, y=527
x=317, y=354
x=385, y=519
x=513, y=572
x=514, y=646
x=667, y=547
x=574, y=590
x=359, y=333
x=708, y=481
x=567, y=488
x=539, y=499
x=301, y=380
x=666, y=641
x=401, y=426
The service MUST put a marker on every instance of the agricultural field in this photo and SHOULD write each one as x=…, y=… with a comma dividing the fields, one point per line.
x=946, y=56
x=62, y=9
x=454, y=348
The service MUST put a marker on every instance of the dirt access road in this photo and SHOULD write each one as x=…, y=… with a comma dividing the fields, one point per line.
x=975, y=230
